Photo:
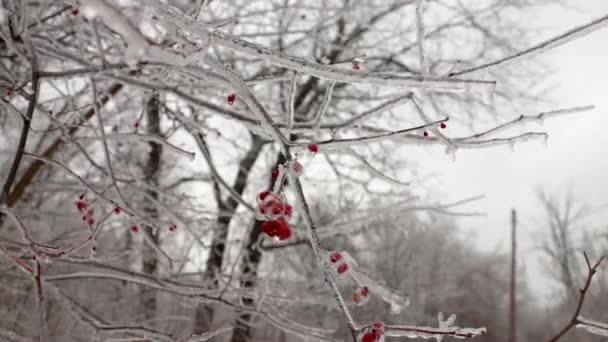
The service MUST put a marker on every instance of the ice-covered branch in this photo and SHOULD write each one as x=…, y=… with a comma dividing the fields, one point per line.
x=308, y=67
x=546, y=45
x=138, y=46
x=596, y=328
x=25, y=128
x=574, y=321
x=530, y=118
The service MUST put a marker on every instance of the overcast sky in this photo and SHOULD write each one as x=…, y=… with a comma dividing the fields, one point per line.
x=577, y=151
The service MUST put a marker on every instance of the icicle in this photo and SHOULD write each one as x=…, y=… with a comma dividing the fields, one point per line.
x=545, y=141
x=450, y=150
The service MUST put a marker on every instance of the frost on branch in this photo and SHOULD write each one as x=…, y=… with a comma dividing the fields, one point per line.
x=445, y=329
x=138, y=45
x=367, y=286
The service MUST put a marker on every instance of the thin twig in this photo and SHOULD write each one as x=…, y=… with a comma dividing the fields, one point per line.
x=25, y=129
x=591, y=270
x=548, y=44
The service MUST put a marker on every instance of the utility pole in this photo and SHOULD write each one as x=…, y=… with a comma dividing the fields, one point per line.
x=512, y=288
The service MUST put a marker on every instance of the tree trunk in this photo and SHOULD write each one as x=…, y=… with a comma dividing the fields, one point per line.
x=249, y=272
x=151, y=173
x=227, y=208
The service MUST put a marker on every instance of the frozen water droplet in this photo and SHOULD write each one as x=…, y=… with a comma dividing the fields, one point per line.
x=451, y=320
x=43, y=259
x=488, y=96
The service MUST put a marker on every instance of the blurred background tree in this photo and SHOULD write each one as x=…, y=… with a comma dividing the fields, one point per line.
x=131, y=211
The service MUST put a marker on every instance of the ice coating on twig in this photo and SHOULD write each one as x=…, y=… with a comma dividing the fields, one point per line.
x=345, y=265
x=445, y=329
x=596, y=328
x=138, y=46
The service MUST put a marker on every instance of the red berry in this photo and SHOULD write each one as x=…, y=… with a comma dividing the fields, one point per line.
x=75, y=11
x=81, y=197
x=425, y=133
x=81, y=206
x=267, y=227
x=271, y=227
x=117, y=210
x=442, y=125
x=276, y=210
x=378, y=330
x=365, y=291
x=313, y=148
x=172, y=228
x=274, y=174
x=342, y=268
x=334, y=257
x=379, y=326
x=136, y=124
x=94, y=249
x=84, y=218
x=91, y=222
x=284, y=232
x=231, y=99
x=272, y=204
x=134, y=229
x=288, y=210
x=369, y=337
x=262, y=195
x=297, y=168
x=356, y=66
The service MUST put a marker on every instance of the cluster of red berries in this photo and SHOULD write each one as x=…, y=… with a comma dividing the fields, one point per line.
x=361, y=295
x=274, y=174
x=278, y=228
x=442, y=125
x=89, y=216
x=374, y=334
x=336, y=259
x=173, y=228
x=271, y=205
x=274, y=208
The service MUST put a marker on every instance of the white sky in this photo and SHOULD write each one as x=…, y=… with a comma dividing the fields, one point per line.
x=577, y=152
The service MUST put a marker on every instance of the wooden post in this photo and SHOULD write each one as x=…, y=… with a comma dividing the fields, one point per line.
x=512, y=289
